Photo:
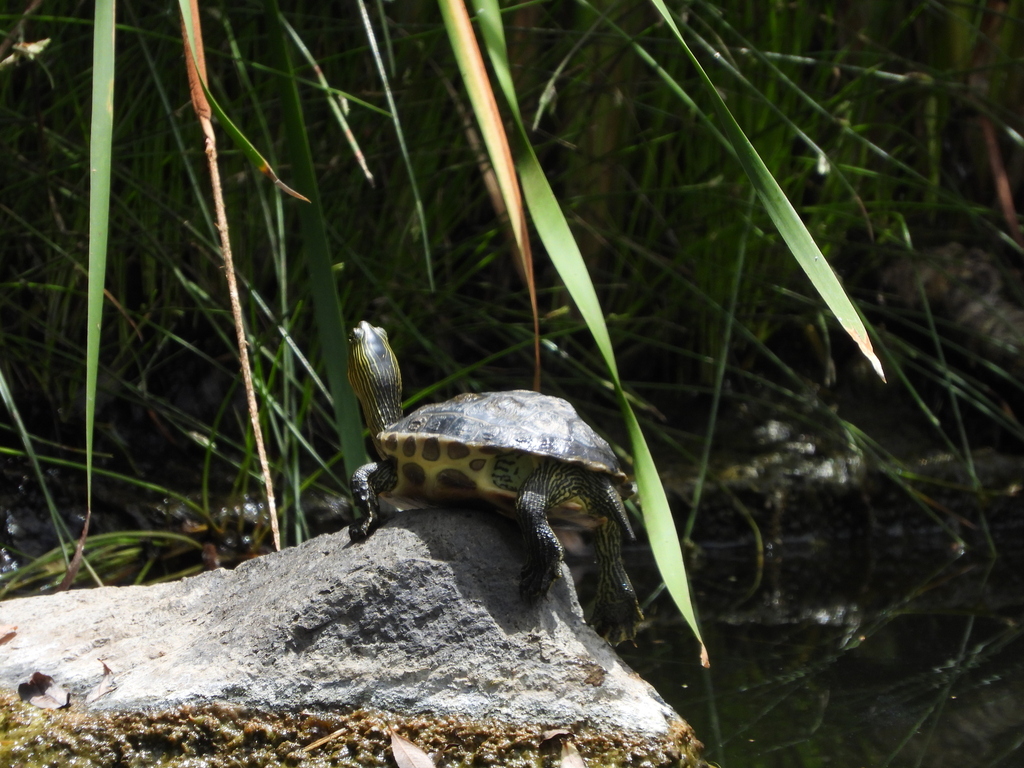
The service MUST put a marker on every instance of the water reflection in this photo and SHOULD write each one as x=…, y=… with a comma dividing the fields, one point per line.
x=904, y=661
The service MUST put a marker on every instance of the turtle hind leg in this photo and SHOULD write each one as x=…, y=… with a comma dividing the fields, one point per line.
x=543, y=489
x=616, y=612
x=367, y=482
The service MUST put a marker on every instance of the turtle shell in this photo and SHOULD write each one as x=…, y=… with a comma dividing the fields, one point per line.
x=496, y=422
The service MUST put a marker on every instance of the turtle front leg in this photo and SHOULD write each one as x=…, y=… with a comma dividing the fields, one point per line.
x=368, y=482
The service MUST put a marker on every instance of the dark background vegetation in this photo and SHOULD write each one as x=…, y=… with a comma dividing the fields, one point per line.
x=873, y=116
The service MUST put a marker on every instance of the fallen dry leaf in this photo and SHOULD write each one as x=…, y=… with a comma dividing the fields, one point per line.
x=103, y=687
x=41, y=691
x=571, y=757
x=554, y=733
x=7, y=633
x=407, y=754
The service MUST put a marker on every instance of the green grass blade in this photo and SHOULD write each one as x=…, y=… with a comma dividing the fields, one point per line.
x=330, y=328
x=111, y=549
x=400, y=135
x=703, y=468
x=565, y=255
x=101, y=133
x=335, y=102
x=782, y=213
x=568, y=260
x=63, y=534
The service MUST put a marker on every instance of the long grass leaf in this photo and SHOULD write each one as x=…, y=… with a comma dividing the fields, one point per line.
x=59, y=526
x=782, y=212
x=317, y=249
x=400, y=134
x=101, y=133
x=565, y=254
x=335, y=102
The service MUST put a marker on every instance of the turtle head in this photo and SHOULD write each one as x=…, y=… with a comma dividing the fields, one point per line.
x=374, y=375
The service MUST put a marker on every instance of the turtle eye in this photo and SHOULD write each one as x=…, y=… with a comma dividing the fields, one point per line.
x=373, y=338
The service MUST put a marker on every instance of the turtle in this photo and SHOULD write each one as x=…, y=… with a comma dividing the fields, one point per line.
x=524, y=454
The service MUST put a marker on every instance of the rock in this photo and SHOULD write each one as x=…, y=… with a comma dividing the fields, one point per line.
x=422, y=620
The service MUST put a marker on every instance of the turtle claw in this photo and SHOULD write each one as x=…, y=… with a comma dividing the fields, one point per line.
x=616, y=621
x=536, y=580
x=361, y=528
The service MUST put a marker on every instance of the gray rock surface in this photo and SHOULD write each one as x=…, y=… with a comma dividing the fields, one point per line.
x=423, y=618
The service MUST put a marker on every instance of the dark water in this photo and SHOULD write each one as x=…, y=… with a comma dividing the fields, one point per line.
x=911, y=657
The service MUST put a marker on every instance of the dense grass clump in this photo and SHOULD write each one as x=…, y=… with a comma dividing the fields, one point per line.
x=893, y=127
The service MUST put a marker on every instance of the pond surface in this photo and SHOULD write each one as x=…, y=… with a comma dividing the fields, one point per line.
x=834, y=658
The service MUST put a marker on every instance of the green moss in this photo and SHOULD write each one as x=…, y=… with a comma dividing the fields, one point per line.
x=221, y=736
